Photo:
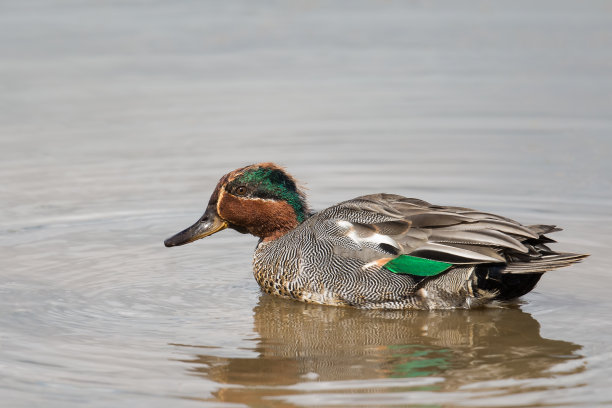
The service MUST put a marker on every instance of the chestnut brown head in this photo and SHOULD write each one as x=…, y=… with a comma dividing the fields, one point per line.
x=261, y=199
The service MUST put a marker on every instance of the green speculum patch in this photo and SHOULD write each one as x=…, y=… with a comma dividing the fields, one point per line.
x=274, y=184
x=412, y=265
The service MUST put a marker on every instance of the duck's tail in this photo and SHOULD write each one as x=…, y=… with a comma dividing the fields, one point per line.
x=518, y=278
x=544, y=264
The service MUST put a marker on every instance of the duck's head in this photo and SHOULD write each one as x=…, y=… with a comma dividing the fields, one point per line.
x=260, y=199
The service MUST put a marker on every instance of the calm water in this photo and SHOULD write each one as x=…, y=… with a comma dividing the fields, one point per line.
x=118, y=118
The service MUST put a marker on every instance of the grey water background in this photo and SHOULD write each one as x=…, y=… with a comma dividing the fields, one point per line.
x=118, y=118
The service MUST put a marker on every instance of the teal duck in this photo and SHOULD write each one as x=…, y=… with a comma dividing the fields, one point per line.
x=379, y=251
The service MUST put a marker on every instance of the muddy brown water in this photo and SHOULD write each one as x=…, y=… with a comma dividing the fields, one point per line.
x=118, y=118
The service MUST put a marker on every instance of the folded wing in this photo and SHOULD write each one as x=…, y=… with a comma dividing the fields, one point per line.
x=381, y=227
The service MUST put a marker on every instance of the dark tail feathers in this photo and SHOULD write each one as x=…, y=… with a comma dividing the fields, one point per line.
x=518, y=278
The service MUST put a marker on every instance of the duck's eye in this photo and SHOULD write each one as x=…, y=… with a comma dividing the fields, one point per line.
x=240, y=190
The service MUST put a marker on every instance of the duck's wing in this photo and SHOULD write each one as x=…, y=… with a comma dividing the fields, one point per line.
x=405, y=233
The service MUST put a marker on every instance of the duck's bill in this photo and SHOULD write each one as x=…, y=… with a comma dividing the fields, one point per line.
x=205, y=226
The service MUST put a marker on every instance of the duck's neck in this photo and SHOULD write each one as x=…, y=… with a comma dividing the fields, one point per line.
x=280, y=218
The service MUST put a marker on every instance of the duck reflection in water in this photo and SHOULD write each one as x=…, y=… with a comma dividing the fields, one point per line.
x=302, y=342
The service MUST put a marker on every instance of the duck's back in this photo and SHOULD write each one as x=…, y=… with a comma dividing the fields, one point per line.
x=389, y=251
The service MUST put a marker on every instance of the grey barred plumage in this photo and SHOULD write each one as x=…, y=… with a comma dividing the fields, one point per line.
x=341, y=255
x=319, y=263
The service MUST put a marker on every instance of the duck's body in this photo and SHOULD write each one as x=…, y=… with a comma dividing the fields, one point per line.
x=376, y=251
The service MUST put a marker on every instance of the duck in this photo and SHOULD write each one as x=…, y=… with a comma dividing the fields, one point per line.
x=377, y=251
